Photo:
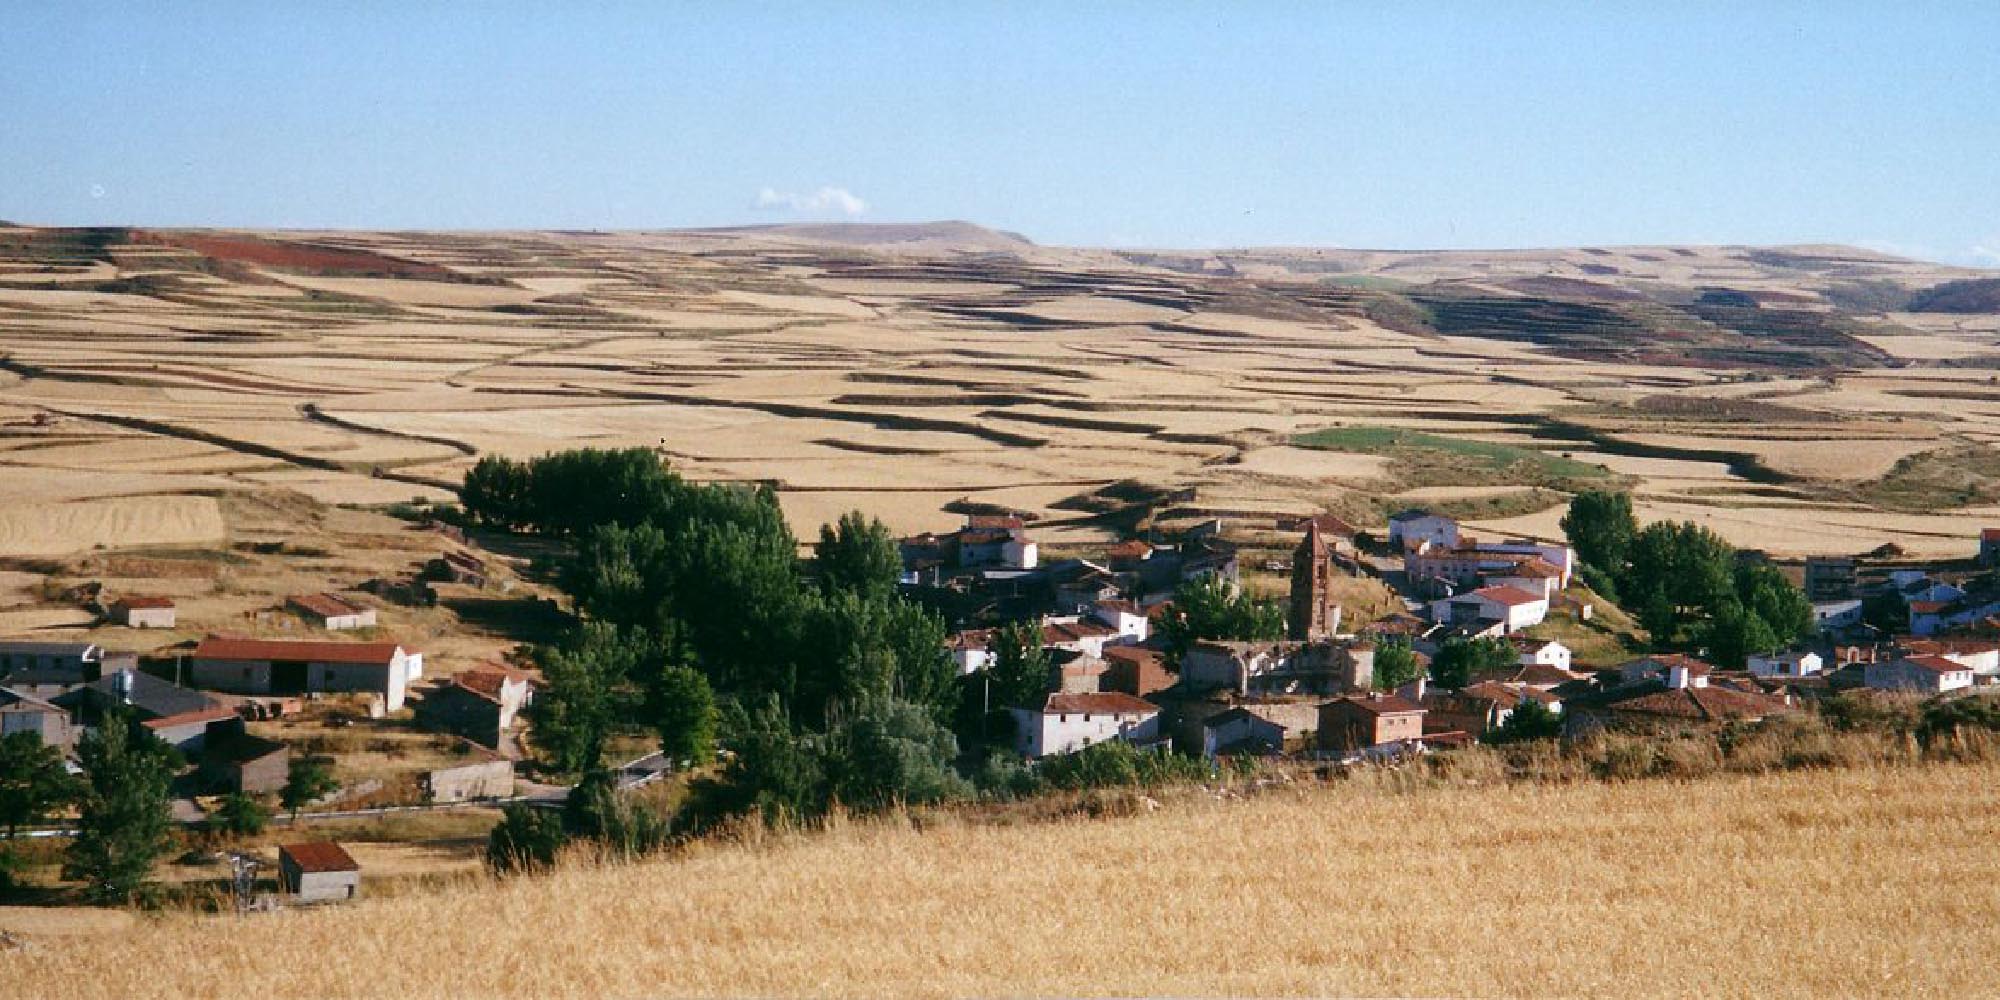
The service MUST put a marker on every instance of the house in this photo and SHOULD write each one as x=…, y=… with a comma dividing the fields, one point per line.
x=1134, y=670
x=1324, y=667
x=1127, y=556
x=1066, y=723
x=76, y=662
x=475, y=706
x=483, y=776
x=1532, y=574
x=1543, y=652
x=1124, y=618
x=143, y=612
x=1925, y=674
x=972, y=650
x=1239, y=730
x=331, y=611
x=240, y=762
x=1830, y=578
x=1476, y=708
x=1834, y=616
x=1982, y=655
x=1085, y=586
x=285, y=667
x=1666, y=667
x=21, y=712
x=1790, y=663
x=1510, y=608
x=1077, y=636
x=1406, y=528
x=1358, y=722
x=318, y=872
x=1989, y=547
x=1682, y=698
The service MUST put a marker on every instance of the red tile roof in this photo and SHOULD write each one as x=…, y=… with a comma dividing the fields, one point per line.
x=1936, y=664
x=488, y=679
x=239, y=648
x=1928, y=607
x=1132, y=547
x=1989, y=534
x=1534, y=569
x=145, y=602
x=1074, y=631
x=324, y=605
x=322, y=856
x=1105, y=703
x=215, y=714
x=1509, y=596
x=1711, y=704
x=1388, y=704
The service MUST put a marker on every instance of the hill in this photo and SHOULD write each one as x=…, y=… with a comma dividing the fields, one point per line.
x=1361, y=888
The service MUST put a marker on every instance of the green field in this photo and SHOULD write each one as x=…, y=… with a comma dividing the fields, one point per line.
x=1489, y=461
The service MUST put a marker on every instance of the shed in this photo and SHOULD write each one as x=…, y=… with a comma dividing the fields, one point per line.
x=318, y=872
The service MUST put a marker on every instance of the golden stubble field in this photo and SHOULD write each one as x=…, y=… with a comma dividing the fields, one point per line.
x=1869, y=882
x=903, y=369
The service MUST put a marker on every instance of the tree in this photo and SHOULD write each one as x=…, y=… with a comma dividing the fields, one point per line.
x=771, y=770
x=1530, y=720
x=1395, y=664
x=1600, y=526
x=1021, y=673
x=1766, y=593
x=1676, y=572
x=308, y=780
x=1213, y=608
x=124, y=822
x=686, y=715
x=33, y=781
x=584, y=696
x=525, y=840
x=1737, y=633
x=888, y=752
x=240, y=815
x=857, y=554
x=598, y=812
x=1458, y=661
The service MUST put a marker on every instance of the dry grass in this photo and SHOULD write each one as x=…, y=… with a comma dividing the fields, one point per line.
x=1861, y=882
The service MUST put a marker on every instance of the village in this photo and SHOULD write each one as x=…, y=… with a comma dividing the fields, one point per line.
x=248, y=715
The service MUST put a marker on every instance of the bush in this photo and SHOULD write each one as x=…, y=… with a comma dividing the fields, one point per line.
x=526, y=840
x=1116, y=763
x=1004, y=778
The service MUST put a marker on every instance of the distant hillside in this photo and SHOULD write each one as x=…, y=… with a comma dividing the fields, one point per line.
x=1973, y=295
x=894, y=236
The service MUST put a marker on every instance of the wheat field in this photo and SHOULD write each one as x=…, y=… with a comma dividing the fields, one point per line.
x=1876, y=881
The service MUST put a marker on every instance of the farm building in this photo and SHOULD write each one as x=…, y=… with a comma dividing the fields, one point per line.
x=285, y=667
x=331, y=611
x=1134, y=670
x=143, y=612
x=181, y=718
x=318, y=872
x=482, y=776
x=24, y=713
x=244, y=763
x=1412, y=526
x=76, y=661
x=480, y=705
x=1503, y=609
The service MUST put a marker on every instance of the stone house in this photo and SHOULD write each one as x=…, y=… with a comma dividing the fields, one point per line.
x=1358, y=722
x=318, y=872
x=1134, y=670
x=483, y=776
x=21, y=712
x=240, y=762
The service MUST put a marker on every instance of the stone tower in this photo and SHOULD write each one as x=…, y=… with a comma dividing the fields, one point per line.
x=1313, y=614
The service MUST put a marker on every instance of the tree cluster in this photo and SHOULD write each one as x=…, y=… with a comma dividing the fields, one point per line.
x=1213, y=608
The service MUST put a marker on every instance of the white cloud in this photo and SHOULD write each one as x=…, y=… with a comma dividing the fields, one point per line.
x=1985, y=256
x=826, y=200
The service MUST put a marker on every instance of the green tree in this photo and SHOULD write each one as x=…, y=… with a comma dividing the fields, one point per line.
x=618, y=824
x=1395, y=664
x=771, y=770
x=1459, y=660
x=858, y=555
x=1600, y=526
x=123, y=821
x=1530, y=720
x=496, y=492
x=1213, y=608
x=1766, y=593
x=33, y=781
x=240, y=815
x=1021, y=673
x=1677, y=572
x=887, y=752
x=526, y=840
x=308, y=780
x=586, y=693
x=1737, y=633
x=686, y=716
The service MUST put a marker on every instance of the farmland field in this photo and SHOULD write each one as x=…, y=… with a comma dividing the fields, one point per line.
x=915, y=371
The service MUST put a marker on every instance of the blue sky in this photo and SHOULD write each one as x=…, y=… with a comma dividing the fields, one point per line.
x=1170, y=124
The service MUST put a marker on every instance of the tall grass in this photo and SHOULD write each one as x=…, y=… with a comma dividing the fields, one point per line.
x=1871, y=879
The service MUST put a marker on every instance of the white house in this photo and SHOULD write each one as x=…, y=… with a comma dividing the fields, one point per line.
x=1067, y=723
x=972, y=650
x=1533, y=574
x=1928, y=674
x=1019, y=552
x=1412, y=526
x=1561, y=558
x=1542, y=652
x=143, y=612
x=1125, y=618
x=1511, y=608
x=1831, y=615
x=1791, y=663
x=1076, y=635
x=1981, y=655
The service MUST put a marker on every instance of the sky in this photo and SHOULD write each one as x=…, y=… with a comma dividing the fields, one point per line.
x=1182, y=124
